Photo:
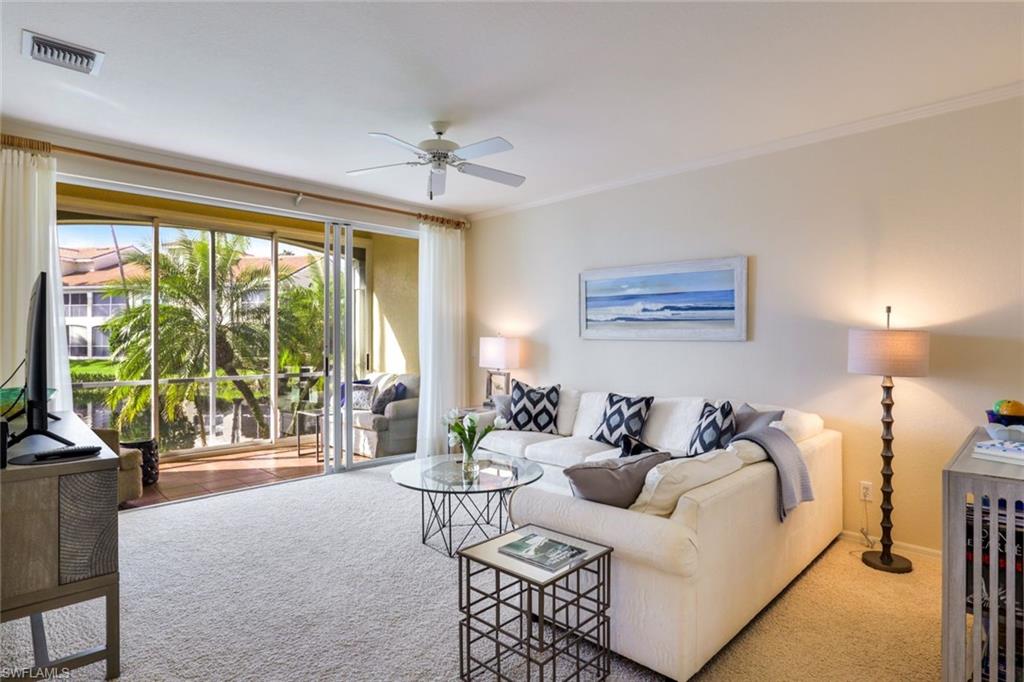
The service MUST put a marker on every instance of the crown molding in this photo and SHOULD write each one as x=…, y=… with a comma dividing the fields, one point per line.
x=1009, y=91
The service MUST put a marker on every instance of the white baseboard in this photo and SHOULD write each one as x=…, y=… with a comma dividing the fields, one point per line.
x=897, y=546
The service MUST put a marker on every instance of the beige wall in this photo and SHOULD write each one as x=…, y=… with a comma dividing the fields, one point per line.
x=395, y=281
x=925, y=216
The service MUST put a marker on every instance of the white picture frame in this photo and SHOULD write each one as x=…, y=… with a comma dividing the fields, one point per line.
x=681, y=301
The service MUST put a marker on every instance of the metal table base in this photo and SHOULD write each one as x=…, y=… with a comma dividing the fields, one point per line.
x=454, y=516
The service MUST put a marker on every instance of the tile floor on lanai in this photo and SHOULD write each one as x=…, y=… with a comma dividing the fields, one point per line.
x=183, y=479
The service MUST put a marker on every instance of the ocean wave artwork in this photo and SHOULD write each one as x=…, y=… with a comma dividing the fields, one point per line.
x=684, y=303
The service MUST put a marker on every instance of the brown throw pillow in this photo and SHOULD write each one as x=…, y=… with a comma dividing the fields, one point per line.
x=615, y=482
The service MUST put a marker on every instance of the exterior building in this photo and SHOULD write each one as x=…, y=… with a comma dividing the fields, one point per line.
x=89, y=273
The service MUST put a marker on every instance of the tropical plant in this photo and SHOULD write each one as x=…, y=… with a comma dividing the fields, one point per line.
x=241, y=319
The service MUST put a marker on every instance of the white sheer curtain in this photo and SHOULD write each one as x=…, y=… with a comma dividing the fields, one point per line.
x=28, y=246
x=442, y=330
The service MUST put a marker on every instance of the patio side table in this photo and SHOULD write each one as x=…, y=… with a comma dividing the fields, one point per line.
x=318, y=418
x=523, y=622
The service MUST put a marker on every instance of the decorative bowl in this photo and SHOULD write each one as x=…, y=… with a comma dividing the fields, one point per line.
x=1004, y=419
x=1012, y=433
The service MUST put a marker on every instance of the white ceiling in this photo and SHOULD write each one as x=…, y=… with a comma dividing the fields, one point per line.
x=589, y=95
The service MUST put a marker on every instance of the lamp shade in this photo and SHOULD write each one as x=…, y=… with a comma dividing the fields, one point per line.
x=888, y=352
x=499, y=352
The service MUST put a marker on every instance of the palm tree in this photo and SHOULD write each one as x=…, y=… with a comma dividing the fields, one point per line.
x=241, y=320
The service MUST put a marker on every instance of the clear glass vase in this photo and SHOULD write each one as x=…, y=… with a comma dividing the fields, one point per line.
x=470, y=467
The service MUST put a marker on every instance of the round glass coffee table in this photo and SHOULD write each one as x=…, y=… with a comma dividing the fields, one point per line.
x=453, y=506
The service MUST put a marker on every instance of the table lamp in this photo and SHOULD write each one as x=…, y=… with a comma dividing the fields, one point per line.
x=887, y=353
x=498, y=354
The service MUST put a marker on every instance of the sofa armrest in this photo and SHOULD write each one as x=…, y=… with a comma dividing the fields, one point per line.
x=486, y=418
x=110, y=438
x=407, y=408
x=658, y=542
x=129, y=458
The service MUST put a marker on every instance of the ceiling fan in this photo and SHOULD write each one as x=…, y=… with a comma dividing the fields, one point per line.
x=439, y=154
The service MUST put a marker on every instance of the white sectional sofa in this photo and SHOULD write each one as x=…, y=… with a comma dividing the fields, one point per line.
x=683, y=585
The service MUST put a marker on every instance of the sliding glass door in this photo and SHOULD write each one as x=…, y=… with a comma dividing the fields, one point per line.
x=259, y=341
x=371, y=345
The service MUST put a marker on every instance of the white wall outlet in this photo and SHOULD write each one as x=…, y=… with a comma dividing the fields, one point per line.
x=867, y=489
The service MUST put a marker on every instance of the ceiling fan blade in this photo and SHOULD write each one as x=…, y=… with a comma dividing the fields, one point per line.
x=483, y=148
x=401, y=143
x=435, y=185
x=493, y=174
x=360, y=171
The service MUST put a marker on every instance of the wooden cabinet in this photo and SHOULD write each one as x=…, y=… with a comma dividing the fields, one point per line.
x=58, y=541
x=983, y=534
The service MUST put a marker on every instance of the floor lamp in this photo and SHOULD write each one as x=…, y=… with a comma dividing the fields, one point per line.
x=887, y=353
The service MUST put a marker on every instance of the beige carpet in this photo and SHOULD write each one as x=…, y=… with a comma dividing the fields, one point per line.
x=841, y=620
x=325, y=579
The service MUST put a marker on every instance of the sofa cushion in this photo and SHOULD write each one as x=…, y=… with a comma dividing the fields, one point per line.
x=669, y=481
x=798, y=425
x=623, y=416
x=615, y=482
x=588, y=415
x=534, y=409
x=565, y=452
x=364, y=419
x=512, y=443
x=411, y=383
x=568, y=406
x=671, y=422
x=714, y=430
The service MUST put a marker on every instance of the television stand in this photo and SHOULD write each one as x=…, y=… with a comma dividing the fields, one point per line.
x=27, y=431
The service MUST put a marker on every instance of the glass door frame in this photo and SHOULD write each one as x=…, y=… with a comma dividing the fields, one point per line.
x=339, y=248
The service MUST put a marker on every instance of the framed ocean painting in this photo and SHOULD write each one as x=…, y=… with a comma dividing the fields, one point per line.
x=701, y=300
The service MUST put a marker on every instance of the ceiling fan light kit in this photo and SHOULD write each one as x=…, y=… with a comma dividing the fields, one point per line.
x=439, y=153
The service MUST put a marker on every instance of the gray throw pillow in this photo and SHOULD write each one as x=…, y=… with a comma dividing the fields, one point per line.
x=362, y=396
x=386, y=397
x=749, y=419
x=615, y=482
x=503, y=406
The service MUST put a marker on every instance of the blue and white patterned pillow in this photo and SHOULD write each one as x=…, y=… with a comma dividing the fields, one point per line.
x=715, y=429
x=634, y=446
x=623, y=416
x=534, y=409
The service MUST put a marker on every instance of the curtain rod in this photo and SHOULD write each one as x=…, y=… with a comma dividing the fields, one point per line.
x=43, y=147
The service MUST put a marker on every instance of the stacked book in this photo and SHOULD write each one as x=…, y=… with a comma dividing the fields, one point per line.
x=1006, y=451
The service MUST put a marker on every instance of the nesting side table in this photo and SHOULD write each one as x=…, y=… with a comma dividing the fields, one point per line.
x=522, y=622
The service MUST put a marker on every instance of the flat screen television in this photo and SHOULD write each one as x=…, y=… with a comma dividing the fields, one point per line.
x=37, y=419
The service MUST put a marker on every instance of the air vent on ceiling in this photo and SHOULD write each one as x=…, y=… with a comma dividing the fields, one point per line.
x=60, y=53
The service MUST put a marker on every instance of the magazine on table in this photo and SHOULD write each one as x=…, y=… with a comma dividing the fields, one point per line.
x=542, y=551
x=1011, y=452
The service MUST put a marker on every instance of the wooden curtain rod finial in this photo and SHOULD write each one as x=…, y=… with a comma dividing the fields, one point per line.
x=15, y=142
